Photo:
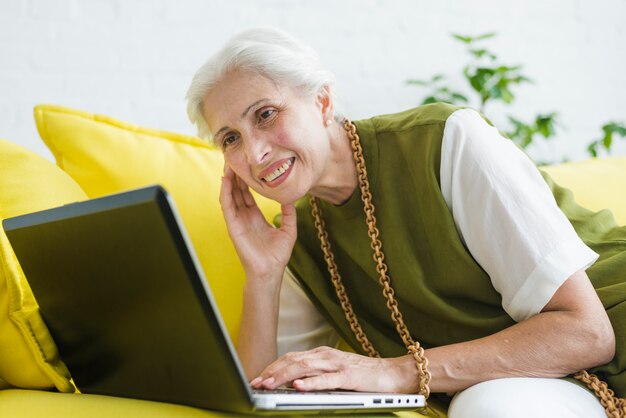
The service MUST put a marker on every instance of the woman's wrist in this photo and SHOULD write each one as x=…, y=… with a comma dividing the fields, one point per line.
x=405, y=373
x=266, y=284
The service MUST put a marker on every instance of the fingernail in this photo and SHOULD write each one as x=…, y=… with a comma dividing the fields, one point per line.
x=268, y=381
x=256, y=381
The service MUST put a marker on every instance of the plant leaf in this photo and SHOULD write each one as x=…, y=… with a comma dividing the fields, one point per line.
x=460, y=97
x=479, y=53
x=506, y=95
x=417, y=82
x=485, y=36
x=466, y=39
x=615, y=127
x=591, y=149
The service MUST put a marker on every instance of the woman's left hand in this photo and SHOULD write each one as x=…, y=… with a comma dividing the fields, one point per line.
x=326, y=368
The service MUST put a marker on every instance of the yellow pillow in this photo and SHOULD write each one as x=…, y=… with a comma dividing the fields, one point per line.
x=105, y=156
x=28, y=355
x=597, y=184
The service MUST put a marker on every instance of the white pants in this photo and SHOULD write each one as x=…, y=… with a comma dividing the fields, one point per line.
x=525, y=397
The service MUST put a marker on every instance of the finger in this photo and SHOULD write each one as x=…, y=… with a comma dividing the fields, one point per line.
x=326, y=381
x=227, y=185
x=289, y=218
x=228, y=171
x=289, y=371
x=226, y=200
x=266, y=377
x=281, y=362
x=322, y=352
x=247, y=197
x=236, y=192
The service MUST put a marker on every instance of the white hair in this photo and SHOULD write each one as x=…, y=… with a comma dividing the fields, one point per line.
x=267, y=51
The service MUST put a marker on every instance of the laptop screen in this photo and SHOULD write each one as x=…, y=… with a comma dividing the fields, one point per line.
x=125, y=299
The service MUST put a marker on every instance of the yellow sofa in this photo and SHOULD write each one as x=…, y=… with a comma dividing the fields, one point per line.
x=98, y=155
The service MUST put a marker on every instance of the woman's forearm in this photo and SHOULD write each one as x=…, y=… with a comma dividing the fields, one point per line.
x=550, y=344
x=571, y=333
x=256, y=345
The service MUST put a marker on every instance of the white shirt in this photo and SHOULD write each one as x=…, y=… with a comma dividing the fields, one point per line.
x=505, y=215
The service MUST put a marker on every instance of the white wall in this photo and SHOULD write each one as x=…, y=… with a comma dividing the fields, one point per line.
x=133, y=59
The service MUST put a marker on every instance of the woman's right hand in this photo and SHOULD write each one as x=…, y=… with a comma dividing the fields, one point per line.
x=263, y=250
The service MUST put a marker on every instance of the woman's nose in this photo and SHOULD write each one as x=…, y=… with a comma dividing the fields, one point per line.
x=257, y=150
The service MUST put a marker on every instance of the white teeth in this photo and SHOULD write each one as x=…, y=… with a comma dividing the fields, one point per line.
x=278, y=172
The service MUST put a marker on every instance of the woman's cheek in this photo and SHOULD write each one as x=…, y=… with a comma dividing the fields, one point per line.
x=287, y=132
x=282, y=139
x=234, y=163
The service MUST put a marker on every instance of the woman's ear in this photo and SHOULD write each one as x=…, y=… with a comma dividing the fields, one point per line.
x=325, y=103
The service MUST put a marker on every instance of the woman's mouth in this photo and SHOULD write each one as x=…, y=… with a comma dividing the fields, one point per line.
x=280, y=173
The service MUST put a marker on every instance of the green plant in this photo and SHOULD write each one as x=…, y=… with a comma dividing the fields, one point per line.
x=439, y=92
x=493, y=81
x=490, y=80
x=609, y=129
x=523, y=134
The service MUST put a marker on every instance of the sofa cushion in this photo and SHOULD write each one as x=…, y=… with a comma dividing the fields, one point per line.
x=18, y=403
x=105, y=156
x=28, y=355
x=597, y=183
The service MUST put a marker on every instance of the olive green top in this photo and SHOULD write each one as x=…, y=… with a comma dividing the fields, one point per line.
x=443, y=294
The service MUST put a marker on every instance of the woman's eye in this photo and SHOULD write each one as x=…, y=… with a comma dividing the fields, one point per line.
x=228, y=140
x=267, y=113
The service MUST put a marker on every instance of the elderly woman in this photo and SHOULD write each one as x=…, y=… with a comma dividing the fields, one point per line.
x=424, y=239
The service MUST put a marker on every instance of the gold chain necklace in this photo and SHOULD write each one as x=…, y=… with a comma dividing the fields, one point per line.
x=412, y=346
x=614, y=407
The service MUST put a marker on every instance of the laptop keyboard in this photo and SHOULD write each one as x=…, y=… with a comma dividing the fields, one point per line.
x=285, y=391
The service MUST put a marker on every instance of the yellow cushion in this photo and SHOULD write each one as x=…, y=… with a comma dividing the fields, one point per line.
x=28, y=355
x=27, y=404
x=106, y=156
x=597, y=184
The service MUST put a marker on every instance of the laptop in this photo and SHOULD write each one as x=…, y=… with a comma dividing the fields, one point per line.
x=125, y=299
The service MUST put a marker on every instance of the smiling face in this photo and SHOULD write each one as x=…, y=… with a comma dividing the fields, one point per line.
x=273, y=138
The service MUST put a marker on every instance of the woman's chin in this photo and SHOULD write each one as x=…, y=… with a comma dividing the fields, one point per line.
x=285, y=198
x=282, y=194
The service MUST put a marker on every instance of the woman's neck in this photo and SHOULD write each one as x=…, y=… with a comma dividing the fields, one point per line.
x=342, y=180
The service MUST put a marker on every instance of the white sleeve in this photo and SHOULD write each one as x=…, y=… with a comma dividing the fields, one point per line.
x=507, y=216
x=300, y=326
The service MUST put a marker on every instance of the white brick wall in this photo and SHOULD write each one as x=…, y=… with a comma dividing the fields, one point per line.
x=133, y=59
